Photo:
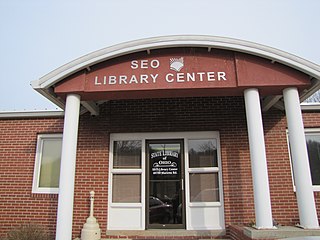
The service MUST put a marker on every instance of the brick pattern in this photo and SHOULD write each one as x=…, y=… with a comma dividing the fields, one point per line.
x=224, y=114
x=18, y=139
x=236, y=233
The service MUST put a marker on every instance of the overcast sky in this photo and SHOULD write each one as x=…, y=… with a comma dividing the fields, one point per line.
x=37, y=36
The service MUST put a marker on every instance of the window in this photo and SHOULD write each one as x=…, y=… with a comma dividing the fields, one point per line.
x=47, y=164
x=313, y=148
x=136, y=190
x=127, y=154
x=126, y=188
x=126, y=171
x=203, y=170
x=204, y=187
x=203, y=153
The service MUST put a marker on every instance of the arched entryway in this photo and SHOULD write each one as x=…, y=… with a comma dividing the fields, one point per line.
x=189, y=66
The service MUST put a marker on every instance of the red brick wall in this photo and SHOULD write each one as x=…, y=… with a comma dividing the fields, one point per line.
x=18, y=205
x=284, y=208
x=312, y=120
x=91, y=171
x=223, y=114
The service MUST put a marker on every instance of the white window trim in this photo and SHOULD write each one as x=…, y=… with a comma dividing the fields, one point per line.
x=316, y=188
x=165, y=135
x=138, y=206
x=37, y=165
x=124, y=171
x=189, y=170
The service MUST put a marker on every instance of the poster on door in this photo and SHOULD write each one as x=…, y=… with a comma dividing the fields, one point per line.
x=165, y=164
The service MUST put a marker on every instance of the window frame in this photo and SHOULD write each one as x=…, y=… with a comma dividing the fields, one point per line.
x=315, y=188
x=124, y=171
x=200, y=170
x=136, y=211
x=38, y=158
x=113, y=192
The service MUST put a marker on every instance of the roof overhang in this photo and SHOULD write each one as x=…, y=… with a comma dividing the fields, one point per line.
x=45, y=84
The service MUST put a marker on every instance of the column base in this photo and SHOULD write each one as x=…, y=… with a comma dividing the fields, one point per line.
x=264, y=228
x=279, y=233
x=307, y=228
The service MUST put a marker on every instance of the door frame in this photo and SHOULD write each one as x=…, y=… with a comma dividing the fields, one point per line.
x=182, y=180
x=135, y=212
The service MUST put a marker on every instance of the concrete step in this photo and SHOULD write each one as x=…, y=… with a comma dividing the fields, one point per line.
x=167, y=234
x=164, y=238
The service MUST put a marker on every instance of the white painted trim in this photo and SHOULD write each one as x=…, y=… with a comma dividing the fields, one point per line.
x=30, y=114
x=204, y=205
x=127, y=171
x=162, y=135
x=143, y=188
x=37, y=165
x=126, y=205
x=291, y=167
x=110, y=181
x=44, y=83
x=310, y=106
x=316, y=188
x=204, y=170
x=176, y=41
x=166, y=135
x=138, y=206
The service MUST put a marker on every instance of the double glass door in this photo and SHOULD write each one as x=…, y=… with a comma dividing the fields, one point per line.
x=165, y=184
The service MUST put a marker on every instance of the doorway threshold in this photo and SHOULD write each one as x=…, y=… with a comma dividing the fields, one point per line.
x=165, y=234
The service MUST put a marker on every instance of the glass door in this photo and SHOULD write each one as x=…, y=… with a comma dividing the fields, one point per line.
x=165, y=184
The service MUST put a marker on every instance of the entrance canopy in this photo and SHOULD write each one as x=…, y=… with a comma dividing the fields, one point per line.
x=180, y=66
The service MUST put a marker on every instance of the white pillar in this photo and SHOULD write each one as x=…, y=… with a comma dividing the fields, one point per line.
x=259, y=169
x=67, y=168
x=300, y=161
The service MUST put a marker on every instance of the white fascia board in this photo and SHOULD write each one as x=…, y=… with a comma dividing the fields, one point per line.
x=177, y=41
x=310, y=106
x=31, y=114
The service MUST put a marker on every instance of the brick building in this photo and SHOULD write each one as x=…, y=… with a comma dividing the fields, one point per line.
x=183, y=132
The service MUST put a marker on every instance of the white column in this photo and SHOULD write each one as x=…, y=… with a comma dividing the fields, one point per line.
x=67, y=168
x=259, y=169
x=300, y=160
